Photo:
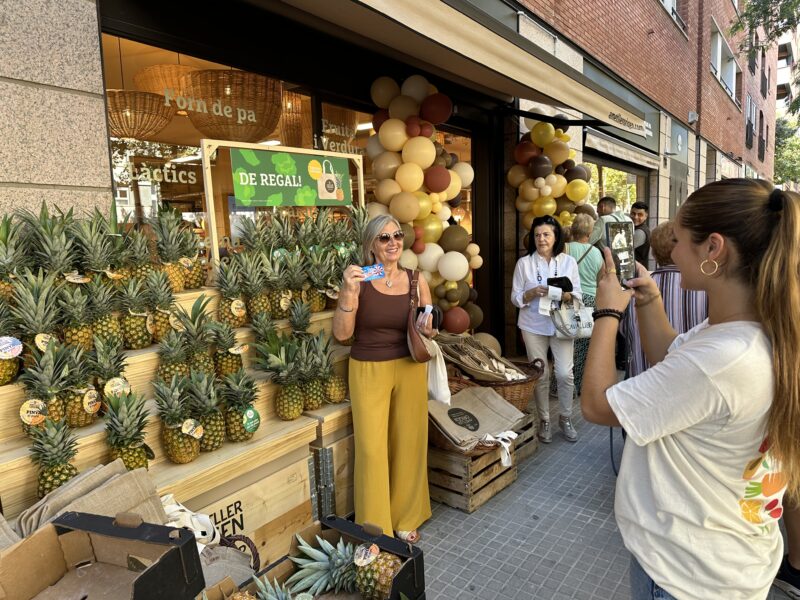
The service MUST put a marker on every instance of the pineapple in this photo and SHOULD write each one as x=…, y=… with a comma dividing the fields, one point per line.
x=254, y=271
x=204, y=406
x=93, y=244
x=46, y=241
x=180, y=447
x=231, y=309
x=9, y=366
x=54, y=447
x=310, y=380
x=199, y=334
x=172, y=357
x=255, y=234
x=228, y=357
x=160, y=302
x=239, y=392
x=280, y=298
x=134, y=315
x=46, y=379
x=127, y=418
x=320, y=266
x=107, y=362
x=80, y=398
x=77, y=316
x=282, y=232
x=11, y=258
x=139, y=261
x=103, y=303
x=263, y=327
x=296, y=279
x=195, y=273
x=284, y=359
x=299, y=318
x=335, y=385
x=324, y=569
x=35, y=306
x=359, y=218
x=167, y=229
x=374, y=581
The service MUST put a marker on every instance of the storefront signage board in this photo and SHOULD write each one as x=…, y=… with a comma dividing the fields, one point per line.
x=285, y=178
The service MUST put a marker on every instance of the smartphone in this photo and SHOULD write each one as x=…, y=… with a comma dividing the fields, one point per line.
x=436, y=314
x=619, y=237
x=564, y=283
x=373, y=272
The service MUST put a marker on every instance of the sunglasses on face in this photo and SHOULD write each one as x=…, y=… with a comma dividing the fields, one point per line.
x=384, y=238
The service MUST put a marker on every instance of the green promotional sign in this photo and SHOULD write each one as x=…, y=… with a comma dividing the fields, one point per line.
x=266, y=178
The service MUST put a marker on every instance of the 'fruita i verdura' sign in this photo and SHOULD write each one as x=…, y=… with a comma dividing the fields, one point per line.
x=270, y=178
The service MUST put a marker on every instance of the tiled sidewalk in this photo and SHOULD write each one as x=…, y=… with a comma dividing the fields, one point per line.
x=549, y=536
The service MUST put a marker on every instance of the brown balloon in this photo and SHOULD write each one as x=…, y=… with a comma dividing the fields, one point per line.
x=436, y=108
x=409, y=238
x=444, y=304
x=437, y=178
x=456, y=320
x=426, y=129
x=575, y=173
x=568, y=164
x=588, y=172
x=525, y=151
x=526, y=137
x=440, y=161
x=448, y=160
x=564, y=204
x=473, y=294
x=539, y=166
x=455, y=201
x=454, y=238
x=560, y=170
x=463, y=292
x=475, y=315
x=452, y=295
x=562, y=122
x=440, y=291
x=453, y=157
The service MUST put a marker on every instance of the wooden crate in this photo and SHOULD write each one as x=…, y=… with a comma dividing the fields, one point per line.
x=527, y=441
x=465, y=482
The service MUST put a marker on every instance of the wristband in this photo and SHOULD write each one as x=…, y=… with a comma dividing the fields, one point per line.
x=607, y=312
x=648, y=301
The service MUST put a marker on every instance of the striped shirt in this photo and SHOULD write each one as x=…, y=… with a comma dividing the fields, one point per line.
x=685, y=309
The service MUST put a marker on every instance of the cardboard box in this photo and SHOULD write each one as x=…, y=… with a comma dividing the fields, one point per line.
x=88, y=556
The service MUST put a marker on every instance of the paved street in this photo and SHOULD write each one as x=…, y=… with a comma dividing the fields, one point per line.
x=549, y=536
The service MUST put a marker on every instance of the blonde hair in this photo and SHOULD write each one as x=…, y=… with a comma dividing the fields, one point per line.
x=662, y=241
x=371, y=231
x=763, y=225
x=581, y=226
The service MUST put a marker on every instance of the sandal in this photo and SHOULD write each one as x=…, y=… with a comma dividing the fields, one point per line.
x=410, y=537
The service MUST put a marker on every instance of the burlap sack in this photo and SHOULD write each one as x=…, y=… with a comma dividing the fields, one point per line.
x=132, y=491
x=476, y=415
x=8, y=537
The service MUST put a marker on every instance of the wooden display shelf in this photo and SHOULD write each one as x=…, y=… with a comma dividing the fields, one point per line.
x=334, y=421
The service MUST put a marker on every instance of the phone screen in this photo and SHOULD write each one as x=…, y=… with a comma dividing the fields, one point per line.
x=619, y=237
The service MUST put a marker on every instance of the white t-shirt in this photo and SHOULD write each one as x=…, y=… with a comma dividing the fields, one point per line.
x=698, y=495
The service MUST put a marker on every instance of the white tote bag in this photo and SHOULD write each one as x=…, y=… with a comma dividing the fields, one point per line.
x=437, y=376
x=572, y=321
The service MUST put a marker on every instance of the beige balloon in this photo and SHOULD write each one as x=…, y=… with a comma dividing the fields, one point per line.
x=392, y=135
x=454, y=189
x=403, y=107
x=409, y=260
x=523, y=205
x=559, y=187
x=375, y=209
x=473, y=249
x=386, y=165
x=476, y=262
x=404, y=207
x=419, y=150
x=416, y=87
x=516, y=175
x=386, y=190
x=435, y=279
x=383, y=91
x=464, y=171
x=528, y=191
x=489, y=341
x=409, y=176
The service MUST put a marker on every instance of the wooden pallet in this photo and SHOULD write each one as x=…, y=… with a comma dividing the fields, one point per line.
x=467, y=483
x=527, y=441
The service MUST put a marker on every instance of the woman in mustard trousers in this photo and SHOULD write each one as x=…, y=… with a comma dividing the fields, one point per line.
x=388, y=390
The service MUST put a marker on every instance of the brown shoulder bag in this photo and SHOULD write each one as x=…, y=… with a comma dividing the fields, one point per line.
x=418, y=344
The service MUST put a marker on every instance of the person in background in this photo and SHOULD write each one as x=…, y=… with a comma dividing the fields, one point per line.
x=685, y=308
x=533, y=296
x=388, y=390
x=713, y=424
x=590, y=261
x=607, y=211
x=641, y=232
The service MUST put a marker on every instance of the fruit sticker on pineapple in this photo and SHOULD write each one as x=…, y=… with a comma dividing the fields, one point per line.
x=239, y=349
x=186, y=262
x=42, y=340
x=75, y=277
x=32, y=412
x=150, y=323
x=251, y=420
x=116, y=386
x=175, y=323
x=366, y=554
x=113, y=276
x=238, y=308
x=192, y=428
x=10, y=347
x=91, y=401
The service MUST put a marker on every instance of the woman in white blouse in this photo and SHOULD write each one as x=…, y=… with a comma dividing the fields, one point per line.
x=530, y=292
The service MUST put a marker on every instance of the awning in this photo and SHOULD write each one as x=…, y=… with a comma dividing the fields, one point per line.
x=619, y=149
x=435, y=33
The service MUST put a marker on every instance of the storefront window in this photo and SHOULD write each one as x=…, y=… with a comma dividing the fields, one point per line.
x=624, y=186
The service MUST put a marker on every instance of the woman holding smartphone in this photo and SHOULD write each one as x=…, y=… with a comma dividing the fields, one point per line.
x=532, y=294
x=388, y=390
x=713, y=423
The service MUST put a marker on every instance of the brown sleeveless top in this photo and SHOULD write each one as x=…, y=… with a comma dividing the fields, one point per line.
x=381, y=325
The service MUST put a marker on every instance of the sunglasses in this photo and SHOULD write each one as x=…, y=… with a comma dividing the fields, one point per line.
x=385, y=237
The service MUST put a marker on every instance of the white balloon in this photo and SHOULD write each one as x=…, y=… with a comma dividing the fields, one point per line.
x=445, y=212
x=430, y=257
x=453, y=266
x=550, y=180
x=539, y=182
x=529, y=123
x=473, y=249
x=464, y=171
x=376, y=208
x=428, y=277
x=445, y=225
x=546, y=190
x=415, y=86
x=409, y=260
x=374, y=148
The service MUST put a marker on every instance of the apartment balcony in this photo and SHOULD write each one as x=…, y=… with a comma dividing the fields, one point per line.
x=749, y=134
x=762, y=148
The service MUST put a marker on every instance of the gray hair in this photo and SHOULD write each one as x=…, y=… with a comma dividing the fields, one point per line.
x=371, y=231
x=582, y=226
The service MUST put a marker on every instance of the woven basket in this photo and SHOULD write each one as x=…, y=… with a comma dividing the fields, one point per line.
x=294, y=128
x=136, y=114
x=157, y=79
x=518, y=393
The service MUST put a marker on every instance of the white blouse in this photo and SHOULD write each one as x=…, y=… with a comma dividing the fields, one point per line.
x=532, y=271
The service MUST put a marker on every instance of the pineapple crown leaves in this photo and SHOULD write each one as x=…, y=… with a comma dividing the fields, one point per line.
x=253, y=272
x=319, y=266
x=48, y=374
x=263, y=326
x=137, y=248
x=254, y=234
x=299, y=317
x=239, y=391
x=75, y=306
x=197, y=324
x=11, y=258
x=271, y=591
x=79, y=368
x=295, y=265
x=306, y=232
x=202, y=394
x=323, y=222
x=167, y=228
x=322, y=570
x=133, y=297
x=172, y=348
x=282, y=231
x=171, y=401
x=359, y=217
x=229, y=278
x=94, y=246
x=45, y=238
x=35, y=302
x=223, y=335
x=158, y=292
x=279, y=355
x=103, y=298
x=125, y=420
x=107, y=359
x=8, y=324
x=53, y=445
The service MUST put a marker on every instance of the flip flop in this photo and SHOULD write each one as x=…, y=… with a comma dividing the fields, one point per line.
x=410, y=537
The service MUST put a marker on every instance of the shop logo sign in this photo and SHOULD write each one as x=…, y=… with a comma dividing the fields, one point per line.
x=200, y=105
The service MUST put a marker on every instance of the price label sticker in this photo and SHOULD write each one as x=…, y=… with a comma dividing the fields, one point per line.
x=239, y=349
x=365, y=554
x=113, y=275
x=251, y=420
x=32, y=412
x=10, y=347
x=192, y=428
x=150, y=323
x=75, y=277
x=116, y=386
x=286, y=300
x=175, y=323
x=42, y=340
x=91, y=401
x=186, y=262
x=238, y=308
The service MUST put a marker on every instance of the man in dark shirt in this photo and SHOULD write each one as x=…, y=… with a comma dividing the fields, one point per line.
x=641, y=234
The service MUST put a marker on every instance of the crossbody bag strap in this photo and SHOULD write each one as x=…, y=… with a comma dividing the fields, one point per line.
x=413, y=291
x=589, y=249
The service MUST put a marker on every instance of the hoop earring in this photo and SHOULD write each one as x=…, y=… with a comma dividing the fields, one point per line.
x=712, y=273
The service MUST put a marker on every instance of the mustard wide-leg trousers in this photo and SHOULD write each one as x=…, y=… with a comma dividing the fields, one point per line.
x=390, y=423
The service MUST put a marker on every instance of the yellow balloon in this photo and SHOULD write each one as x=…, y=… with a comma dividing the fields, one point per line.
x=436, y=279
x=436, y=207
x=392, y=135
x=565, y=137
x=528, y=191
x=527, y=220
x=573, y=154
x=545, y=205
x=476, y=262
x=386, y=190
x=425, y=204
x=404, y=207
x=564, y=214
x=431, y=228
x=557, y=188
x=454, y=189
x=541, y=134
x=451, y=285
x=385, y=166
x=516, y=175
x=383, y=91
x=523, y=205
x=577, y=190
x=434, y=197
x=409, y=176
x=557, y=151
x=420, y=150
